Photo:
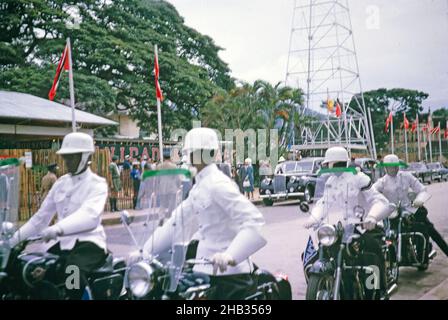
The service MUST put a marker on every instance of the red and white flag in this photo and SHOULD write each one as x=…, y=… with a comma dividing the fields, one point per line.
x=389, y=120
x=414, y=126
x=406, y=122
x=338, y=109
x=62, y=65
x=159, y=94
x=436, y=130
x=445, y=134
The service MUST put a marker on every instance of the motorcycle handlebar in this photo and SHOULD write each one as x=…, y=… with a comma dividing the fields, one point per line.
x=199, y=261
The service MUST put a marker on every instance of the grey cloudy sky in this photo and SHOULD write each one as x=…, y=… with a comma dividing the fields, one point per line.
x=409, y=49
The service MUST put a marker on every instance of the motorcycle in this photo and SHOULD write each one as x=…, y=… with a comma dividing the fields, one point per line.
x=412, y=244
x=337, y=270
x=34, y=275
x=170, y=275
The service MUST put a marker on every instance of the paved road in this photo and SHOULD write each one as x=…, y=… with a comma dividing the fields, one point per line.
x=287, y=239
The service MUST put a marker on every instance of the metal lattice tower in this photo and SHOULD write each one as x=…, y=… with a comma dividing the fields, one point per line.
x=322, y=60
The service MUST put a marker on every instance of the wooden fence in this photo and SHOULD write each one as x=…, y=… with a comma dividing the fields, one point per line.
x=31, y=178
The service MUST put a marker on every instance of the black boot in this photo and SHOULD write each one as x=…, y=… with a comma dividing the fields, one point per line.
x=115, y=204
x=111, y=203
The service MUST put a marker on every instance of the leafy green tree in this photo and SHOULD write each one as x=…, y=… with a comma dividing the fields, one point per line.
x=113, y=57
x=257, y=106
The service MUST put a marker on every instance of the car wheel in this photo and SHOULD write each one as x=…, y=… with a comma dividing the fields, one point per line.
x=307, y=194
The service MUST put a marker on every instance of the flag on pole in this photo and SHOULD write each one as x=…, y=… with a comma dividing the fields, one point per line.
x=338, y=109
x=159, y=94
x=414, y=126
x=436, y=130
x=406, y=122
x=445, y=134
x=388, y=121
x=330, y=105
x=63, y=64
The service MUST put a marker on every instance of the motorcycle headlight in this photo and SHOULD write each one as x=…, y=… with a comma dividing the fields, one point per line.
x=140, y=279
x=327, y=235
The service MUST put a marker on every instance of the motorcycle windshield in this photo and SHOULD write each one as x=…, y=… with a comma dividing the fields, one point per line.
x=160, y=199
x=9, y=190
x=336, y=196
x=9, y=204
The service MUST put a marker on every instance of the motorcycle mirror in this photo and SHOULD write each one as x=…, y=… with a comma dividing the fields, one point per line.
x=126, y=217
x=304, y=207
x=8, y=229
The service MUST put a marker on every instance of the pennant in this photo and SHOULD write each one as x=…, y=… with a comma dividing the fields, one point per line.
x=62, y=65
x=406, y=122
x=309, y=253
x=159, y=94
x=338, y=110
x=388, y=122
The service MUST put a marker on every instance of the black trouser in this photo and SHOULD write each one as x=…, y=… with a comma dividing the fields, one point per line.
x=421, y=216
x=373, y=252
x=87, y=256
x=233, y=287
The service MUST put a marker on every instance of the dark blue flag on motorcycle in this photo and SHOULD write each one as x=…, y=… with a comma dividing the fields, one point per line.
x=309, y=252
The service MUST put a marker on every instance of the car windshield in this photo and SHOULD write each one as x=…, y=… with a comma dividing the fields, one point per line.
x=433, y=166
x=417, y=166
x=304, y=166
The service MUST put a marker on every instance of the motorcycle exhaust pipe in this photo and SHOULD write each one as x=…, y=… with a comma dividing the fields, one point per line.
x=392, y=289
x=433, y=254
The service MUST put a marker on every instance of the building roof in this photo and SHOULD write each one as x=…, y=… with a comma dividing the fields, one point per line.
x=15, y=107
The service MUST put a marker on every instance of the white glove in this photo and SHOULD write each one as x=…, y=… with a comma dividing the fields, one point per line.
x=369, y=223
x=417, y=203
x=310, y=222
x=51, y=233
x=221, y=260
x=137, y=256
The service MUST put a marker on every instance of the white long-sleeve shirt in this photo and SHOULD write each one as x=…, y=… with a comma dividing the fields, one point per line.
x=344, y=196
x=397, y=188
x=214, y=212
x=78, y=202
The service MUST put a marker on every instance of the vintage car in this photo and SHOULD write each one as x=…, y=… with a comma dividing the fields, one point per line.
x=296, y=181
x=420, y=171
x=439, y=172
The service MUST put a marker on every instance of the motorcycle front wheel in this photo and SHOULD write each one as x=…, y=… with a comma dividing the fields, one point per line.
x=320, y=287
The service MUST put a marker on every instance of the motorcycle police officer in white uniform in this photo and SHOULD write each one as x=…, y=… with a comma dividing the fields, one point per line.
x=357, y=193
x=226, y=224
x=396, y=185
x=78, y=198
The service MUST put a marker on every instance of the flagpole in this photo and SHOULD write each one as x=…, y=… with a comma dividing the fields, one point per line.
x=72, y=86
x=159, y=117
x=430, y=144
x=418, y=140
x=440, y=143
x=392, y=134
x=425, y=143
x=328, y=118
x=406, y=144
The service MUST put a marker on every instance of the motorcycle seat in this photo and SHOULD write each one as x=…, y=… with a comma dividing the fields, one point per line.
x=107, y=267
